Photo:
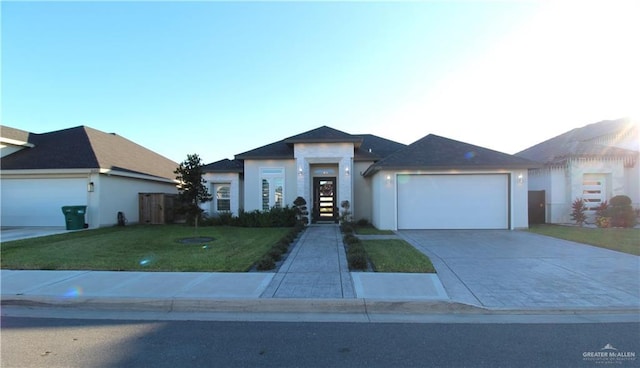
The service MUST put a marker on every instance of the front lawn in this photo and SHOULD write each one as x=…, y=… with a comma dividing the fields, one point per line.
x=621, y=240
x=143, y=248
x=396, y=255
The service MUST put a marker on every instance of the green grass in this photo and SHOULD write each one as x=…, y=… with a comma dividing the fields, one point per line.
x=143, y=248
x=396, y=255
x=370, y=230
x=621, y=240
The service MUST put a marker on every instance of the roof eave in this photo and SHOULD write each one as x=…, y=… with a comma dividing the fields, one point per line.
x=266, y=157
x=356, y=141
x=238, y=170
x=374, y=169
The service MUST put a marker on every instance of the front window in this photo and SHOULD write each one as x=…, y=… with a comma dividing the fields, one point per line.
x=223, y=198
x=272, y=183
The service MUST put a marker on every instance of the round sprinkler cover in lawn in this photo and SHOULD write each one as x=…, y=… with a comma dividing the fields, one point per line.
x=196, y=240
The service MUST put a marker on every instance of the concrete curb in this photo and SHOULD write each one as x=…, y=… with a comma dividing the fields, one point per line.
x=237, y=305
x=281, y=305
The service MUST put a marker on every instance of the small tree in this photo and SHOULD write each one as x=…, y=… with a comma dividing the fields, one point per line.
x=578, y=210
x=191, y=188
x=345, y=215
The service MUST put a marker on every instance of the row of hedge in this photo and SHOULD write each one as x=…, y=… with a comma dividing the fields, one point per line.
x=275, y=217
x=357, y=257
x=277, y=250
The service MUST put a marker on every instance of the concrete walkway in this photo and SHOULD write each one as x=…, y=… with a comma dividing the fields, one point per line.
x=316, y=268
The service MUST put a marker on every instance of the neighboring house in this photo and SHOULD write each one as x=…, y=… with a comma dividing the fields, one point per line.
x=40, y=173
x=594, y=163
x=434, y=183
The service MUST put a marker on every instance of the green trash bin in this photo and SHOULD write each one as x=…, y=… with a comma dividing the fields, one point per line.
x=74, y=216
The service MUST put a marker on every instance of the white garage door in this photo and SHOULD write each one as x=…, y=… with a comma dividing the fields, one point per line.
x=38, y=202
x=453, y=201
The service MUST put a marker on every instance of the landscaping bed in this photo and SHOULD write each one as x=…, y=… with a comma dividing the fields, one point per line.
x=396, y=255
x=382, y=255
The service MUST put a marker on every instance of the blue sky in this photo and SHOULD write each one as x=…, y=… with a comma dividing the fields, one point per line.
x=220, y=78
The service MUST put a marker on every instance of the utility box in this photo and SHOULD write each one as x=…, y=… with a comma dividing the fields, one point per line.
x=156, y=208
x=74, y=217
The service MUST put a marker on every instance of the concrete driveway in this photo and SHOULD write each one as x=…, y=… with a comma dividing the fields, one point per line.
x=9, y=233
x=517, y=269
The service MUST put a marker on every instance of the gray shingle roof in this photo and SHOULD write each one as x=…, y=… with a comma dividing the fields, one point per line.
x=581, y=142
x=276, y=150
x=86, y=148
x=225, y=165
x=15, y=134
x=436, y=152
x=324, y=134
x=380, y=147
x=375, y=148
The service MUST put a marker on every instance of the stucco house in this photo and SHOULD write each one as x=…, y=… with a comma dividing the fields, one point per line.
x=40, y=173
x=433, y=183
x=594, y=163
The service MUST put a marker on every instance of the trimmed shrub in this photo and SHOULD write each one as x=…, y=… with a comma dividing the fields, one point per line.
x=282, y=247
x=275, y=253
x=266, y=263
x=357, y=261
x=346, y=228
x=275, y=217
x=350, y=239
x=621, y=212
x=363, y=222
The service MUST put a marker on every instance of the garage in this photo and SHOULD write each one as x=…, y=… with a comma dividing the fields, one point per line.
x=453, y=201
x=29, y=202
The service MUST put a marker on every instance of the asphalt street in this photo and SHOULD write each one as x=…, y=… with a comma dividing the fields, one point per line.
x=36, y=342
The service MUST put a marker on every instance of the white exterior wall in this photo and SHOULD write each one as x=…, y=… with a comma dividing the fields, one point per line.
x=384, y=189
x=113, y=194
x=362, y=192
x=235, y=186
x=307, y=154
x=384, y=215
x=613, y=171
x=253, y=186
x=553, y=182
x=519, y=210
x=632, y=184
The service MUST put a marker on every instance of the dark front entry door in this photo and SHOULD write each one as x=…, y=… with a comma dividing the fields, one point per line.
x=324, y=199
x=537, y=207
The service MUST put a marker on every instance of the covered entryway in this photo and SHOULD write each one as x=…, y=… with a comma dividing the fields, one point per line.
x=453, y=201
